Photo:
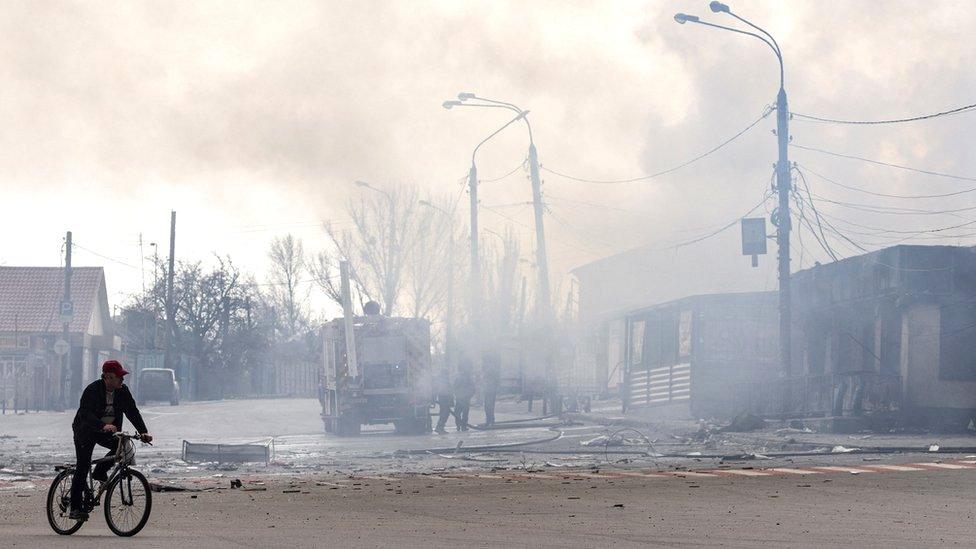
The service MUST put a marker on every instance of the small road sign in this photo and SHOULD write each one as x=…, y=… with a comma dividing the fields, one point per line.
x=61, y=347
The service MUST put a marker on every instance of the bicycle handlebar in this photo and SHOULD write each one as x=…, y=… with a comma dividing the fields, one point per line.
x=136, y=436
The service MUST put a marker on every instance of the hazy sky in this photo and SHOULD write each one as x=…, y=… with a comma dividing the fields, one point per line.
x=252, y=119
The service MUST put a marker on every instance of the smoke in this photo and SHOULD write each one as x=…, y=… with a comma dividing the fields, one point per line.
x=250, y=115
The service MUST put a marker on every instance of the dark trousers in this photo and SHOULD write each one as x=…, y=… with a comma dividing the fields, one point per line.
x=443, y=413
x=84, y=446
x=490, y=407
x=461, y=408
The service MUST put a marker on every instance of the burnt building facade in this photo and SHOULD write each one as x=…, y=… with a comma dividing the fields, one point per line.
x=891, y=333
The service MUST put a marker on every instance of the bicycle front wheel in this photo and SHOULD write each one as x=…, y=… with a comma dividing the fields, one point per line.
x=59, y=503
x=128, y=502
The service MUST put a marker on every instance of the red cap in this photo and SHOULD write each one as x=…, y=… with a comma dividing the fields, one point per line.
x=114, y=367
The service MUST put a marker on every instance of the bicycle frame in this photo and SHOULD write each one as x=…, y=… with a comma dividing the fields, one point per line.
x=116, y=471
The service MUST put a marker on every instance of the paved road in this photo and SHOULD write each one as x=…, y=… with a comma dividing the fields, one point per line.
x=382, y=489
x=915, y=508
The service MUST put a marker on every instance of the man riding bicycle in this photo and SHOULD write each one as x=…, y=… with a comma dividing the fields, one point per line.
x=103, y=403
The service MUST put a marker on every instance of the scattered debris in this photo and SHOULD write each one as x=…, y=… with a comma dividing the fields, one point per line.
x=842, y=450
x=934, y=448
x=228, y=453
x=744, y=422
x=236, y=483
x=157, y=487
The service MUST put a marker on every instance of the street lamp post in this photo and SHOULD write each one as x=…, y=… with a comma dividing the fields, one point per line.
x=475, y=281
x=781, y=217
x=543, y=297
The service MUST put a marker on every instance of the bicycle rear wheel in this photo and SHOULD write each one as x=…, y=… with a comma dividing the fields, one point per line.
x=59, y=505
x=128, y=502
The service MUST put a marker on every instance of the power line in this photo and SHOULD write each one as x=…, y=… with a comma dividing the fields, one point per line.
x=724, y=227
x=885, y=195
x=669, y=170
x=880, y=163
x=958, y=110
x=593, y=205
x=890, y=210
x=103, y=256
x=515, y=169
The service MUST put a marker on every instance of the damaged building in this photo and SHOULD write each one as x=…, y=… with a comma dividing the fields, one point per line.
x=889, y=335
x=882, y=339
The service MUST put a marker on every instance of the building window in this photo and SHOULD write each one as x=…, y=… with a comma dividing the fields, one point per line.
x=957, y=345
x=14, y=342
x=636, y=342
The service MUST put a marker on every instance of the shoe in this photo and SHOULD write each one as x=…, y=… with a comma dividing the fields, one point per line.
x=77, y=515
x=440, y=431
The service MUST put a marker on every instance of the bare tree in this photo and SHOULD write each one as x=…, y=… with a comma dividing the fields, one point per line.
x=286, y=289
x=502, y=284
x=434, y=262
x=379, y=243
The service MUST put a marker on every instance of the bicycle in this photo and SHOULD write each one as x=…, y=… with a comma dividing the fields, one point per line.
x=128, y=498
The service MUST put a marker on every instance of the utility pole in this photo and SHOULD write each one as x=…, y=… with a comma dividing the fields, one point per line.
x=783, y=227
x=170, y=318
x=781, y=217
x=142, y=264
x=475, y=280
x=541, y=258
x=66, y=373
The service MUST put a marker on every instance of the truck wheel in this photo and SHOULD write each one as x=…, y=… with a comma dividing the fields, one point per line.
x=348, y=427
x=413, y=426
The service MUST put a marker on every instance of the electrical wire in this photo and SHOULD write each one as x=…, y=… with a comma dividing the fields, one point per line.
x=806, y=223
x=103, y=256
x=884, y=195
x=724, y=227
x=958, y=110
x=517, y=168
x=858, y=247
x=669, y=170
x=898, y=231
x=594, y=205
x=887, y=210
x=880, y=163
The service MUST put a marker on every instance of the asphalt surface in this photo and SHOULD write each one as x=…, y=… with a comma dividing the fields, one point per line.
x=558, y=485
x=911, y=509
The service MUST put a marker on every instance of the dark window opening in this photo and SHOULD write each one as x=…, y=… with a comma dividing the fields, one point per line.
x=957, y=349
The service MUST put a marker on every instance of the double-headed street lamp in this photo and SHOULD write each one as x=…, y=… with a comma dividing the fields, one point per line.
x=781, y=217
x=475, y=281
x=542, y=296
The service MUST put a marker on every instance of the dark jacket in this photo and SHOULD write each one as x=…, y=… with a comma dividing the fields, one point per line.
x=464, y=388
x=88, y=419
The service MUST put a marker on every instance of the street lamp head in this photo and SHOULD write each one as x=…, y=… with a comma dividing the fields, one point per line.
x=359, y=183
x=718, y=7
x=464, y=96
x=449, y=104
x=683, y=18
